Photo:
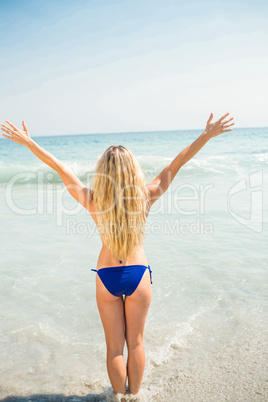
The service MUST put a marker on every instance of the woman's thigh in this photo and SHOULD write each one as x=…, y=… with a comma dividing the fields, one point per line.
x=111, y=309
x=136, y=309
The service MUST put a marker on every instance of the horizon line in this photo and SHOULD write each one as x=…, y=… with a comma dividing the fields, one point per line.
x=134, y=132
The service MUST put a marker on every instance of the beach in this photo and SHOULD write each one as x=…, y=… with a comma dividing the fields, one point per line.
x=206, y=242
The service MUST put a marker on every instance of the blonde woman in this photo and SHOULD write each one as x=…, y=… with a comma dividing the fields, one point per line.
x=119, y=202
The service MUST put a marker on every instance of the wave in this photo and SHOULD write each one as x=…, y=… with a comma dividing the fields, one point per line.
x=25, y=172
x=34, y=173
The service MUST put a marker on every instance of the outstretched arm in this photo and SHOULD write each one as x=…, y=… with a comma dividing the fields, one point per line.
x=161, y=183
x=75, y=187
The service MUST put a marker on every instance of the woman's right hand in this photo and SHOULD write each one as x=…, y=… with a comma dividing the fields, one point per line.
x=15, y=134
x=219, y=127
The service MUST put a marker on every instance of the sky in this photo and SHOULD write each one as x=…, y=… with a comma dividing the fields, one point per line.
x=105, y=66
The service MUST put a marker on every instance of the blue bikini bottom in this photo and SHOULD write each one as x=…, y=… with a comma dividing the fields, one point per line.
x=122, y=280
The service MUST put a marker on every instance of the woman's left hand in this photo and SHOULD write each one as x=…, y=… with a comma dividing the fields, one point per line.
x=20, y=136
x=219, y=127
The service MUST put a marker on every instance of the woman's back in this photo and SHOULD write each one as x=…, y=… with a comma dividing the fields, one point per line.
x=119, y=206
x=106, y=259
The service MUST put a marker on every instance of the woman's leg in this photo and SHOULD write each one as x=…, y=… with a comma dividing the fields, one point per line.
x=111, y=309
x=136, y=309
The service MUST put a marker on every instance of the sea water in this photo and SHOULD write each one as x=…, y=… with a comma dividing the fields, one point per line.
x=206, y=242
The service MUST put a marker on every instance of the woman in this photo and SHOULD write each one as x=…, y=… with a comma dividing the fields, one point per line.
x=119, y=203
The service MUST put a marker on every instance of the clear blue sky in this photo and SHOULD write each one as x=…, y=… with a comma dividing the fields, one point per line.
x=71, y=67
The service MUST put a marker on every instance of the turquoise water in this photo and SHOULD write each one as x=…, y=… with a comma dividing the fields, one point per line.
x=205, y=336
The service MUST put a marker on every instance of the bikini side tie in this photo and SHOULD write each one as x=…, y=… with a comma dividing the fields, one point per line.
x=150, y=274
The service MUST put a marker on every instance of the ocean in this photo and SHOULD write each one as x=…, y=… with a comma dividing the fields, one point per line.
x=206, y=242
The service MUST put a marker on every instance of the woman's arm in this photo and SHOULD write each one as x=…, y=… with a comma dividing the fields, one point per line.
x=75, y=187
x=161, y=183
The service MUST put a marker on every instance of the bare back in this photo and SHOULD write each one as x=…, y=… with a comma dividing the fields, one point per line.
x=106, y=259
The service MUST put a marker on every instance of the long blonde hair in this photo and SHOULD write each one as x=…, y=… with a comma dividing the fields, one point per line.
x=120, y=198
